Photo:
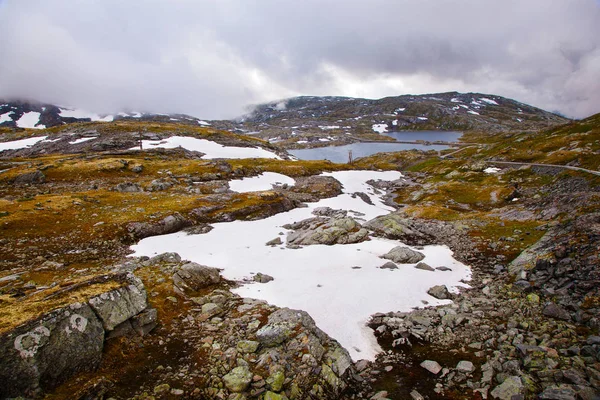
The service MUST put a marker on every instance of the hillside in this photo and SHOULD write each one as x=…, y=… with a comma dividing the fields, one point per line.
x=205, y=264
x=35, y=115
x=311, y=120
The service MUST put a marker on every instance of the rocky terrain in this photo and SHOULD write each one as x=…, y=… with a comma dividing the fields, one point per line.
x=320, y=121
x=80, y=320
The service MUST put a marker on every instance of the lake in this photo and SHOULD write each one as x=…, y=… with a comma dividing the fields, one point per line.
x=431, y=136
x=339, y=154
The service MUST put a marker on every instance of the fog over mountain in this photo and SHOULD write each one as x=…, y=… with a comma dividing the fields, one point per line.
x=212, y=59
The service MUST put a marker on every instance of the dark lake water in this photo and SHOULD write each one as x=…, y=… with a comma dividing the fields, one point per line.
x=432, y=136
x=339, y=154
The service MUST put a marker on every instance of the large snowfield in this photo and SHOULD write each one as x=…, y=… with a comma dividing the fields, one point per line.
x=340, y=286
x=211, y=149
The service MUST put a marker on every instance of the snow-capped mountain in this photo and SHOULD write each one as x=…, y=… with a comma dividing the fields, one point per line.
x=26, y=114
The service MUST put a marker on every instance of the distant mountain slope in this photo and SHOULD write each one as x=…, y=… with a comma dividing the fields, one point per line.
x=28, y=114
x=313, y=118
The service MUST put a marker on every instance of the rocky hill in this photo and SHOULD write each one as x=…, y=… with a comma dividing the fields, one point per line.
x=347, y=119
x=31, y=114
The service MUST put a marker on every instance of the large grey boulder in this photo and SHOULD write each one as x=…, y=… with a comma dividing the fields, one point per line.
x=46, y=351
x=128, y=187
x=30, y=178
x=439, y=292
x=121, y=304
x=395, y=226
x=170, y=224
x=403, y=255
x=512, y=386
x=192, y=276
x=327, y=231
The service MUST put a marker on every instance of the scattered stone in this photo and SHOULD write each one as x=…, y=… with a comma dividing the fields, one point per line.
x=431, y=366
x=389, y=265
x=424, y=267
x=512, y=386
x=247, y=346
x=262, y=278
x=553, y=310
x=329, y=231
x=238, y=379
x=465, y=367
x=128, y=187
x=275, y=242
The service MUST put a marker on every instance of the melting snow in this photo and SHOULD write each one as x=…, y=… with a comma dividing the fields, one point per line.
x=380, y=128
x=395, y=122
x=489, y=101
x=463, y=106
x=320, y=279
x=455, y=100
x=473, y=112
x=6, y=117
x=203, y=123
x=29, y=119
x=211, y=149
x=264, y=181
x=85, y=139
x=423, y=118
x=491, y=170
x=21, y=144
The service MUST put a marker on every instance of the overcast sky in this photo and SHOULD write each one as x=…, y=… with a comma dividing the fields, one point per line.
x=212, y=58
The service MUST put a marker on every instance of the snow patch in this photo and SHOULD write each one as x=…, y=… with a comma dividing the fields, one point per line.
x=489, y=101
x=380, y=128
x=21, y=144
x=473, y=112
x=29, y=119
x=491, y=170
x=327, y=127
x=264, y=181
x=6, y=117
x=82, y=140
x=320, y=279
x=211, y=149
x=203, y=123
x=395, y=122
x=422, y=118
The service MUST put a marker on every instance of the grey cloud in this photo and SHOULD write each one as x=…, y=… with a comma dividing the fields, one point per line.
x=210, y=59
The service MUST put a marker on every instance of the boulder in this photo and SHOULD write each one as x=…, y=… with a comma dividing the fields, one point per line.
x=275, y=242
x=327, y=231
x=512, y=386
x=119, y=305
x=238, y=379
x=192, y=276
x=396, y=226
x=439, y=292
x=128, y=187
x=170, y=224
x=424, y=267
x=389, y=265
x=432, y=366
x=30, y=178
x=553, y=310
x=46, y=351
x=403, y=255
x=262, y=278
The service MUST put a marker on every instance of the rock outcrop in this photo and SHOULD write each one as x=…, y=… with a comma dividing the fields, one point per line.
x=329, y=231
x=170, y=224
x=50, y=348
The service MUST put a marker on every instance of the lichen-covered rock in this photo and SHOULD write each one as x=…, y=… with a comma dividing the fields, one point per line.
x=128, y=187
x=30, y=178
x=121, y=304
x=192, y=276
x=238, y=379
x=439, y=292
x=403, y=255
x=396, y=226
x=512, y=386
x=46, y=351
x=327, y=231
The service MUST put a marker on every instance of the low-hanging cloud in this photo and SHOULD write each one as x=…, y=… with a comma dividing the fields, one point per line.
x=213, y=58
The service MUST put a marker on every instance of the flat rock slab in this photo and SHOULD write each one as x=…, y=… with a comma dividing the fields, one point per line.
x=431, y=366
x=404, y=255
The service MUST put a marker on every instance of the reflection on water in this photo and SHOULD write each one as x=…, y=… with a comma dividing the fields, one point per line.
x=339, y=154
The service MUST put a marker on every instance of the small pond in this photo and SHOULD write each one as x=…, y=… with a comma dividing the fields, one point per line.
x=431, y=136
